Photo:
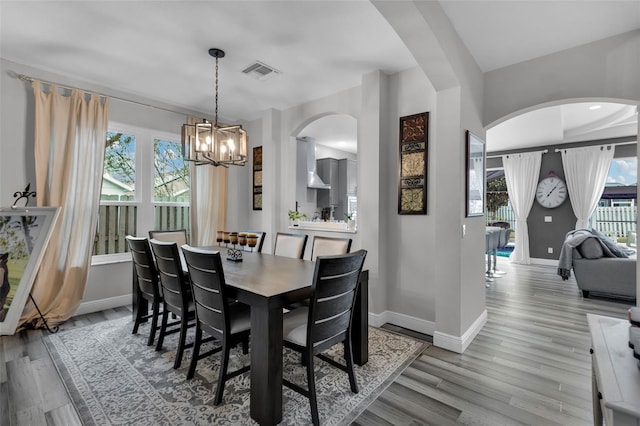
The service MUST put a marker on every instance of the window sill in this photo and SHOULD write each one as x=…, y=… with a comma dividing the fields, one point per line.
x=107, y=259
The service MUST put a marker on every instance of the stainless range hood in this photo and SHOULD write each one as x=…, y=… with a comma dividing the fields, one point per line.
x=313, y=180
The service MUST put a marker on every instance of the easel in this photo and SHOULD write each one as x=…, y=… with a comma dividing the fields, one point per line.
x=26, y=194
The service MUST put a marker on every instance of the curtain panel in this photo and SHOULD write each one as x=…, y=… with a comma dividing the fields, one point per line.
x=521, y=173
x=586, y=170
x=208, y=200
x=70, y=135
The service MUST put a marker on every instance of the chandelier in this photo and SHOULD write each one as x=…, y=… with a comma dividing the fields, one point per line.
x=211, y=143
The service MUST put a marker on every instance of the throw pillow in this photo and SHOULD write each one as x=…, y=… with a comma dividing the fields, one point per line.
x=611, y=245
x=591, y=249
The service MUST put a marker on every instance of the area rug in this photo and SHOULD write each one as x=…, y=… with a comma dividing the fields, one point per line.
x=114, y=378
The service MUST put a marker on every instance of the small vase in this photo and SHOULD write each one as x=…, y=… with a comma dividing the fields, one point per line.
x=351, y=224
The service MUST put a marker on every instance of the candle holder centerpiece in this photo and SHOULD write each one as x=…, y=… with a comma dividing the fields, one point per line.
x=252, y=240
x=233, y=254
x=219, y=237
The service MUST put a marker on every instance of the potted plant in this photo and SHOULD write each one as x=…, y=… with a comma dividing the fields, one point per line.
x=295, y=216
x=351, y=223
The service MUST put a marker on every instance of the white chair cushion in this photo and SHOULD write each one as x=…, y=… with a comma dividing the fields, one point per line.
x=322, y=247
x=289, y=246
x=294, y=326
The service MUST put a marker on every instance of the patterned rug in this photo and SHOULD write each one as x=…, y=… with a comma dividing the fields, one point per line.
x=114, y=378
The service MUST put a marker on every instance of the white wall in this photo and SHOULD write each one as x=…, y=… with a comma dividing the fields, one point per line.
x=605, y=69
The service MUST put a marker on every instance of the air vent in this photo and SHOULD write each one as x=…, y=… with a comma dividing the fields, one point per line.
x=260, y=71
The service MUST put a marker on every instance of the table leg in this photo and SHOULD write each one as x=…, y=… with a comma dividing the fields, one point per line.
x=360, y=325
x=266, y=364
x=597, y=409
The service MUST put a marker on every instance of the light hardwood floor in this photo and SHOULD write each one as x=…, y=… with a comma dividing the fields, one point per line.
x=529, y=365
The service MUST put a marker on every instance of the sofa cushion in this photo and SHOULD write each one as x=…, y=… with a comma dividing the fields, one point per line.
x=591, y=249
x=612, y=245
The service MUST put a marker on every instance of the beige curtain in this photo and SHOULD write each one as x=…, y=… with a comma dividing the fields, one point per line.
x=70, y=134
x=208, y=201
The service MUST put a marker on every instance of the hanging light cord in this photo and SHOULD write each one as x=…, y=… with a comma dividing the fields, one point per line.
x=216, y=116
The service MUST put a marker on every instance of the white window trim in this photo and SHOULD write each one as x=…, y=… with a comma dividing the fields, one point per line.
x=145, y=140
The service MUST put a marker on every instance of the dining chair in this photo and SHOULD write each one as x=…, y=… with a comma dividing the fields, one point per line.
x=178, y=236
x=290, y=245
x=329, y=246
x=225, y=321
x=176, y=291
x=327, y=321
x=146, y=274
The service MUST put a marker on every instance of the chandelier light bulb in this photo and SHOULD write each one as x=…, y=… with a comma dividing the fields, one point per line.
x=232, y=147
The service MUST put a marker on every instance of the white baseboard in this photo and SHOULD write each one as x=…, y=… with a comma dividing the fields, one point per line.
x=545, y=262
x=460, y=344
x=402, y=320
x=102, y=304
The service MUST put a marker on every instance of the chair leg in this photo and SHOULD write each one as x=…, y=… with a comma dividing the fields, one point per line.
x=311, y=381
x=154, y=323
x=139, y=315
x=348, y=356
x=163, y=328
x=196, y=352
x=184, y=326
x=222, y=374
x=245, y=345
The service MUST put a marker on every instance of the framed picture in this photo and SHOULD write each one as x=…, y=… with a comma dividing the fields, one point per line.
x=412, y=180
x=257, y=178
x=24, y=234
x=475, y=175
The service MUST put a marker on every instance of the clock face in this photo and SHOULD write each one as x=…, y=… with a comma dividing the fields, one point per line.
x=551, y=192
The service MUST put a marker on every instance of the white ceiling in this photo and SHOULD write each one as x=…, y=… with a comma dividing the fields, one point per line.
x=158, y=50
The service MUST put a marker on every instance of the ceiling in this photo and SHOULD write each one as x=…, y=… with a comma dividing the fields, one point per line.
x=319, y=47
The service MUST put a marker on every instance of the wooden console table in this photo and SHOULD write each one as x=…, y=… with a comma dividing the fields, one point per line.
x=616, y=374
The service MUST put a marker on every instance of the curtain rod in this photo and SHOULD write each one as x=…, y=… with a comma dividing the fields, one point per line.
x=544, y=151
x=24, y=77
x=604, y=144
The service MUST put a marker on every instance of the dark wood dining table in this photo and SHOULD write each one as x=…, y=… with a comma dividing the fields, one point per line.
x=268, y=283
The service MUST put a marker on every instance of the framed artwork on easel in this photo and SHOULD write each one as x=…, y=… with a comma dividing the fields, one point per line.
x=24, y=234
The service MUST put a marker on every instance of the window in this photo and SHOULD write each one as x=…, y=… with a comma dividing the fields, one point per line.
x=171, y=186
x=145, y=186
x=617, y=210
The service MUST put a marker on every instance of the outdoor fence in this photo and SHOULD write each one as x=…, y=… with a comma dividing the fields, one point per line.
x=616, y=222
x=118, y=220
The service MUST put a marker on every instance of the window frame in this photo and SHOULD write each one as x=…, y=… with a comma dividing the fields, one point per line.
x=144, y=202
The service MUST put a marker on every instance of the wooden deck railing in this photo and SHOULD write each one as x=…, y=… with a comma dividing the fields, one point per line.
x=117, y=221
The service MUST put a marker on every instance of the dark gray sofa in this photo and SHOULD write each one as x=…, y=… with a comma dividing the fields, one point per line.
x=597, y=270
x=612, y=276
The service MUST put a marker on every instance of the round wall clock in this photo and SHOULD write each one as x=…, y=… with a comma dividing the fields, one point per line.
x=551, y=192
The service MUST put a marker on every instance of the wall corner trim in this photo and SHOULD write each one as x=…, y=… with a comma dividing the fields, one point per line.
x=460, y=344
